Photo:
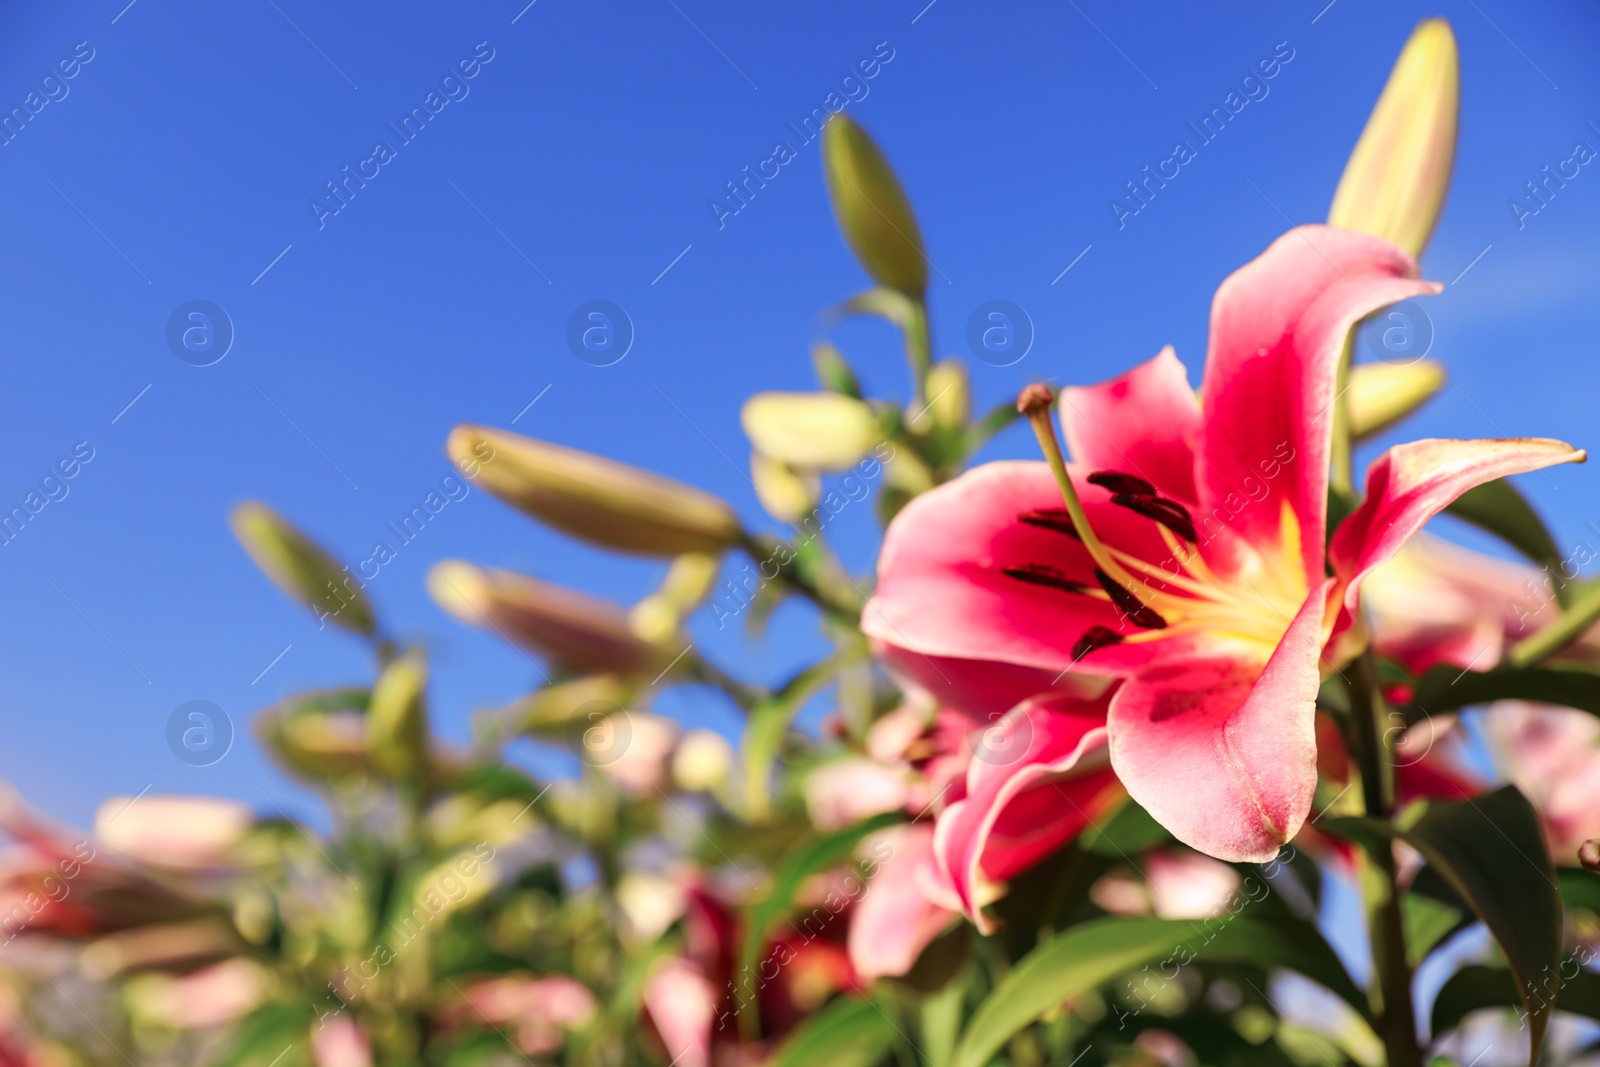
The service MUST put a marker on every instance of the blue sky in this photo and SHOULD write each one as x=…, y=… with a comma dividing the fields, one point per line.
x=580, y=162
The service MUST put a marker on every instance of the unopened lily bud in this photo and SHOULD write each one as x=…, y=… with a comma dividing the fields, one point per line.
x=185, y=833
x=817, y=431
x=786, y=493
x=158, y=945
x=572, y=629
x=872, y=208
x=689, y=580
x=316, y=744
x=301, y=569
x=595, y=499
x=655, y=619
x=1395, y=183
x=397, y=718
x=702, y=762
x=949, y=396
x=562, y=709
x=833, y=372
x=1381, y=394
x=1589, y=854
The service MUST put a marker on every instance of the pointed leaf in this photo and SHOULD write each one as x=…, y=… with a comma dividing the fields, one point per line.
x=847, y=1033
x=1472, y=988
x=1445, y=688
x=1087, y=956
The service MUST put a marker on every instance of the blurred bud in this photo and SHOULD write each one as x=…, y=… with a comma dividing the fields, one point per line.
x=650, y=903
x=561, y=710
x=1589, y=854
x=1382, y=394
x=833, y=372
x=339, y=1041
x=949, y=396
x=397, y=718
x=255, y=917
x=845, y=791
x=457, y=882
x=689, y=580
x=872, y=208
x=301, y=569
x=1395, y=183
x=702, y=762
x=572, y=629
x=595, y=499
x=319, y=744
x=819, y=431
x=158, y=945
x=538, y=1011
x=465, y=819
x=632, y=748
x=210, y=997
x=787, y=494
x=186, y=833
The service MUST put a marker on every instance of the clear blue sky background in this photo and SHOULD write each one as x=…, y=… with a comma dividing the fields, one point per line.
x=181, y=162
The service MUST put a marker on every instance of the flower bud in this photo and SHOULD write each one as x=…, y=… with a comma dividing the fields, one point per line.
x=301, y=569
x=949, y=396
x=318, y=745
x=185, y=833
x=1381, y=394
x=702, y=762
x=787, y=494
x=816, y=431
x=561, y=710
x=572, y=629
x=397, y=718
x=1395, y=183
x=689, y=580
x=833, y=372
x=598, y=500
x=1589, y=854
x=872, y=208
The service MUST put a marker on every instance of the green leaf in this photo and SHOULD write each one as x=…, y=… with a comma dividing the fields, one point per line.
x=1129, y=831
x=1087, y=956
x=847, y=1033
x=1427, y=922
x=1579, y=888
x=1446, y=688
x=815, y=855
x=769, y=723
x=998, y=418
x=1499, y=508
x=1489, y=849
x=1472, y=988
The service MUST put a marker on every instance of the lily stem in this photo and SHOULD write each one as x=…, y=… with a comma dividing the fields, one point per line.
x=1372, y=746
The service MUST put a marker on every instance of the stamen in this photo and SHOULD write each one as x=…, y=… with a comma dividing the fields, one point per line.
x=1035, y=402
x=1168, y=513
x=1118, y=482
x=1133, y=609
x=1095, y=637
x=1057, y=519
x=1041, y=574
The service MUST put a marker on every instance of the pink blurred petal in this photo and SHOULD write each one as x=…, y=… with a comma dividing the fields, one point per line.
x=896, y=919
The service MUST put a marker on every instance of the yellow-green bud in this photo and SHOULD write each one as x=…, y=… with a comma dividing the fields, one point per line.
x=1381, y=394
x=815, y=431
x=949, y=396
x=397, y=718
x=1395, y=183
x=702, y=761
x=301, y=569
x=872, y=208
x=787, y=494
x=595, y=499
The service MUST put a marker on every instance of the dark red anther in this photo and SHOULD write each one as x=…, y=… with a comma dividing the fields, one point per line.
x=1042, y=574
x=1057, y=519
x=1118, y=482
x=1095, y=637
x=1133, y=609
x=1169, y=513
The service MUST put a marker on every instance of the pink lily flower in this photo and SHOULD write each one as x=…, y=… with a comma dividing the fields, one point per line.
x=1190, y=565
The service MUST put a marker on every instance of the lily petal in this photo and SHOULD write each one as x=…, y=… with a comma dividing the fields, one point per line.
x=1037, y=778
x=943, y=591
x=896, y=919
x=1144, y=422
x=1411, y=483
x=1221, y=750
x=1278, y=328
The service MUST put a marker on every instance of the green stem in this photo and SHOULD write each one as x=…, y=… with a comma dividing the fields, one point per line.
x=1371, y=745
x=1342, y=450
x=919, y=350
x=1575, y=620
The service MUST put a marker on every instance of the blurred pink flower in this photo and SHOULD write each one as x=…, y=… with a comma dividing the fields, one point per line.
x=339, y=1041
